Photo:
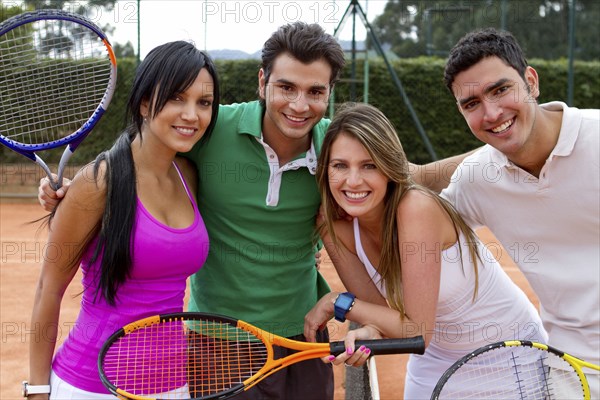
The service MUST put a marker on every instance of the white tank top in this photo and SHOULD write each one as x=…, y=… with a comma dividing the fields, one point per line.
x=501, y=311
x=362, y=256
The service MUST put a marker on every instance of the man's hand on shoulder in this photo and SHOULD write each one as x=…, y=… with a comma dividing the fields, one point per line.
x=48, y=197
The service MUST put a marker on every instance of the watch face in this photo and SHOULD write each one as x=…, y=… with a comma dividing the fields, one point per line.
x=344, y=302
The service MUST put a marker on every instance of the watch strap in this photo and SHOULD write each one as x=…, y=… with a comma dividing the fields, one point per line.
x=34, y=389
x=342, y=305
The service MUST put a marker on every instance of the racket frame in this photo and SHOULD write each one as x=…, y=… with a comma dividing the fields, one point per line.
x=575, y=362
x=74, y=139
x=307, y=351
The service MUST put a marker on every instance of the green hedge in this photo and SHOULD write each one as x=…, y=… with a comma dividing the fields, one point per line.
x=420, y=77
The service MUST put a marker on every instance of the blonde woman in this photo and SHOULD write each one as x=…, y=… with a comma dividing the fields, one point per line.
x=410, y=263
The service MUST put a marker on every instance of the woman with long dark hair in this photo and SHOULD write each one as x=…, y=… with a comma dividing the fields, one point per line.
x=130, y=223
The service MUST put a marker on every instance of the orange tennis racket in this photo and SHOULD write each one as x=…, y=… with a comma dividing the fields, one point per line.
x=205, y=356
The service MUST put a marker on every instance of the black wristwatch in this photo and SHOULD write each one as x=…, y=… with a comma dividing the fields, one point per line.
x=342, y=304
x=28, y=389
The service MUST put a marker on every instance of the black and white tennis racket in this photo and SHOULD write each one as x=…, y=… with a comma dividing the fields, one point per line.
x=58, y=73
x=205, y=356
x=516, y=369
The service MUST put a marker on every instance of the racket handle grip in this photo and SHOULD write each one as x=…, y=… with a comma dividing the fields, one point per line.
x=414, y=345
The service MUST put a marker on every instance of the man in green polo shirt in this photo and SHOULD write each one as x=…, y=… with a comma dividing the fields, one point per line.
x=259, y=200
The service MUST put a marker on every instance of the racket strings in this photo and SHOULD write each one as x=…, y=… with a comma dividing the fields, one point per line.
x=184, y=359
x=50, y=87
x=513, y=373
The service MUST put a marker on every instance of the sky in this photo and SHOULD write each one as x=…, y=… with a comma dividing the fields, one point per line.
x=225, y=24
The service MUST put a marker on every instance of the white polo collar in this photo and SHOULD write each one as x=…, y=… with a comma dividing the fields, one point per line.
x=308, y=161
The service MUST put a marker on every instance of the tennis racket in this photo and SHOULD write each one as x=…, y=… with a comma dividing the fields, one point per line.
x=205, y=356
x=57, y=76
x=515, y=370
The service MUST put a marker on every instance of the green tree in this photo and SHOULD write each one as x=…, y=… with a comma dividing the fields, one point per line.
x=76, y=7
x=8, y=10
x=124, y=50
x=62, y=41
x=431, y=27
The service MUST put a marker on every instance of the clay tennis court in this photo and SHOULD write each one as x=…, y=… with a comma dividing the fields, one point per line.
x=22, y=246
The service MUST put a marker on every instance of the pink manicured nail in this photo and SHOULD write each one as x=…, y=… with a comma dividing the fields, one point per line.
x=349, y=351
x=367, y=351
x=331, y=358
x=361, y=348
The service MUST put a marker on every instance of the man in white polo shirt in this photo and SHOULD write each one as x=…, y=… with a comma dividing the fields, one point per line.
x=535, y=185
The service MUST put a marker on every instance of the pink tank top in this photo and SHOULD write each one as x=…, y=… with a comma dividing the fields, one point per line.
x=163, y=258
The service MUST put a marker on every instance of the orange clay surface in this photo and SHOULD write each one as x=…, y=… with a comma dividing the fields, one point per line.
x=21, y=250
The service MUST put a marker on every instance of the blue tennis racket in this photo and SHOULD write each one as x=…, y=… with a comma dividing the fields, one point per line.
x=58, y=73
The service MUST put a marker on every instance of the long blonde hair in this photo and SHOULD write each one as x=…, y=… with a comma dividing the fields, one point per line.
x=376, y=133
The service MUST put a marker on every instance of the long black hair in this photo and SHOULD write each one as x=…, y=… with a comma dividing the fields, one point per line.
x=167, y=70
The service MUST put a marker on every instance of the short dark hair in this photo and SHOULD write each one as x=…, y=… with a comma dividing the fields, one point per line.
x=306, y=43
x=480, y=44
